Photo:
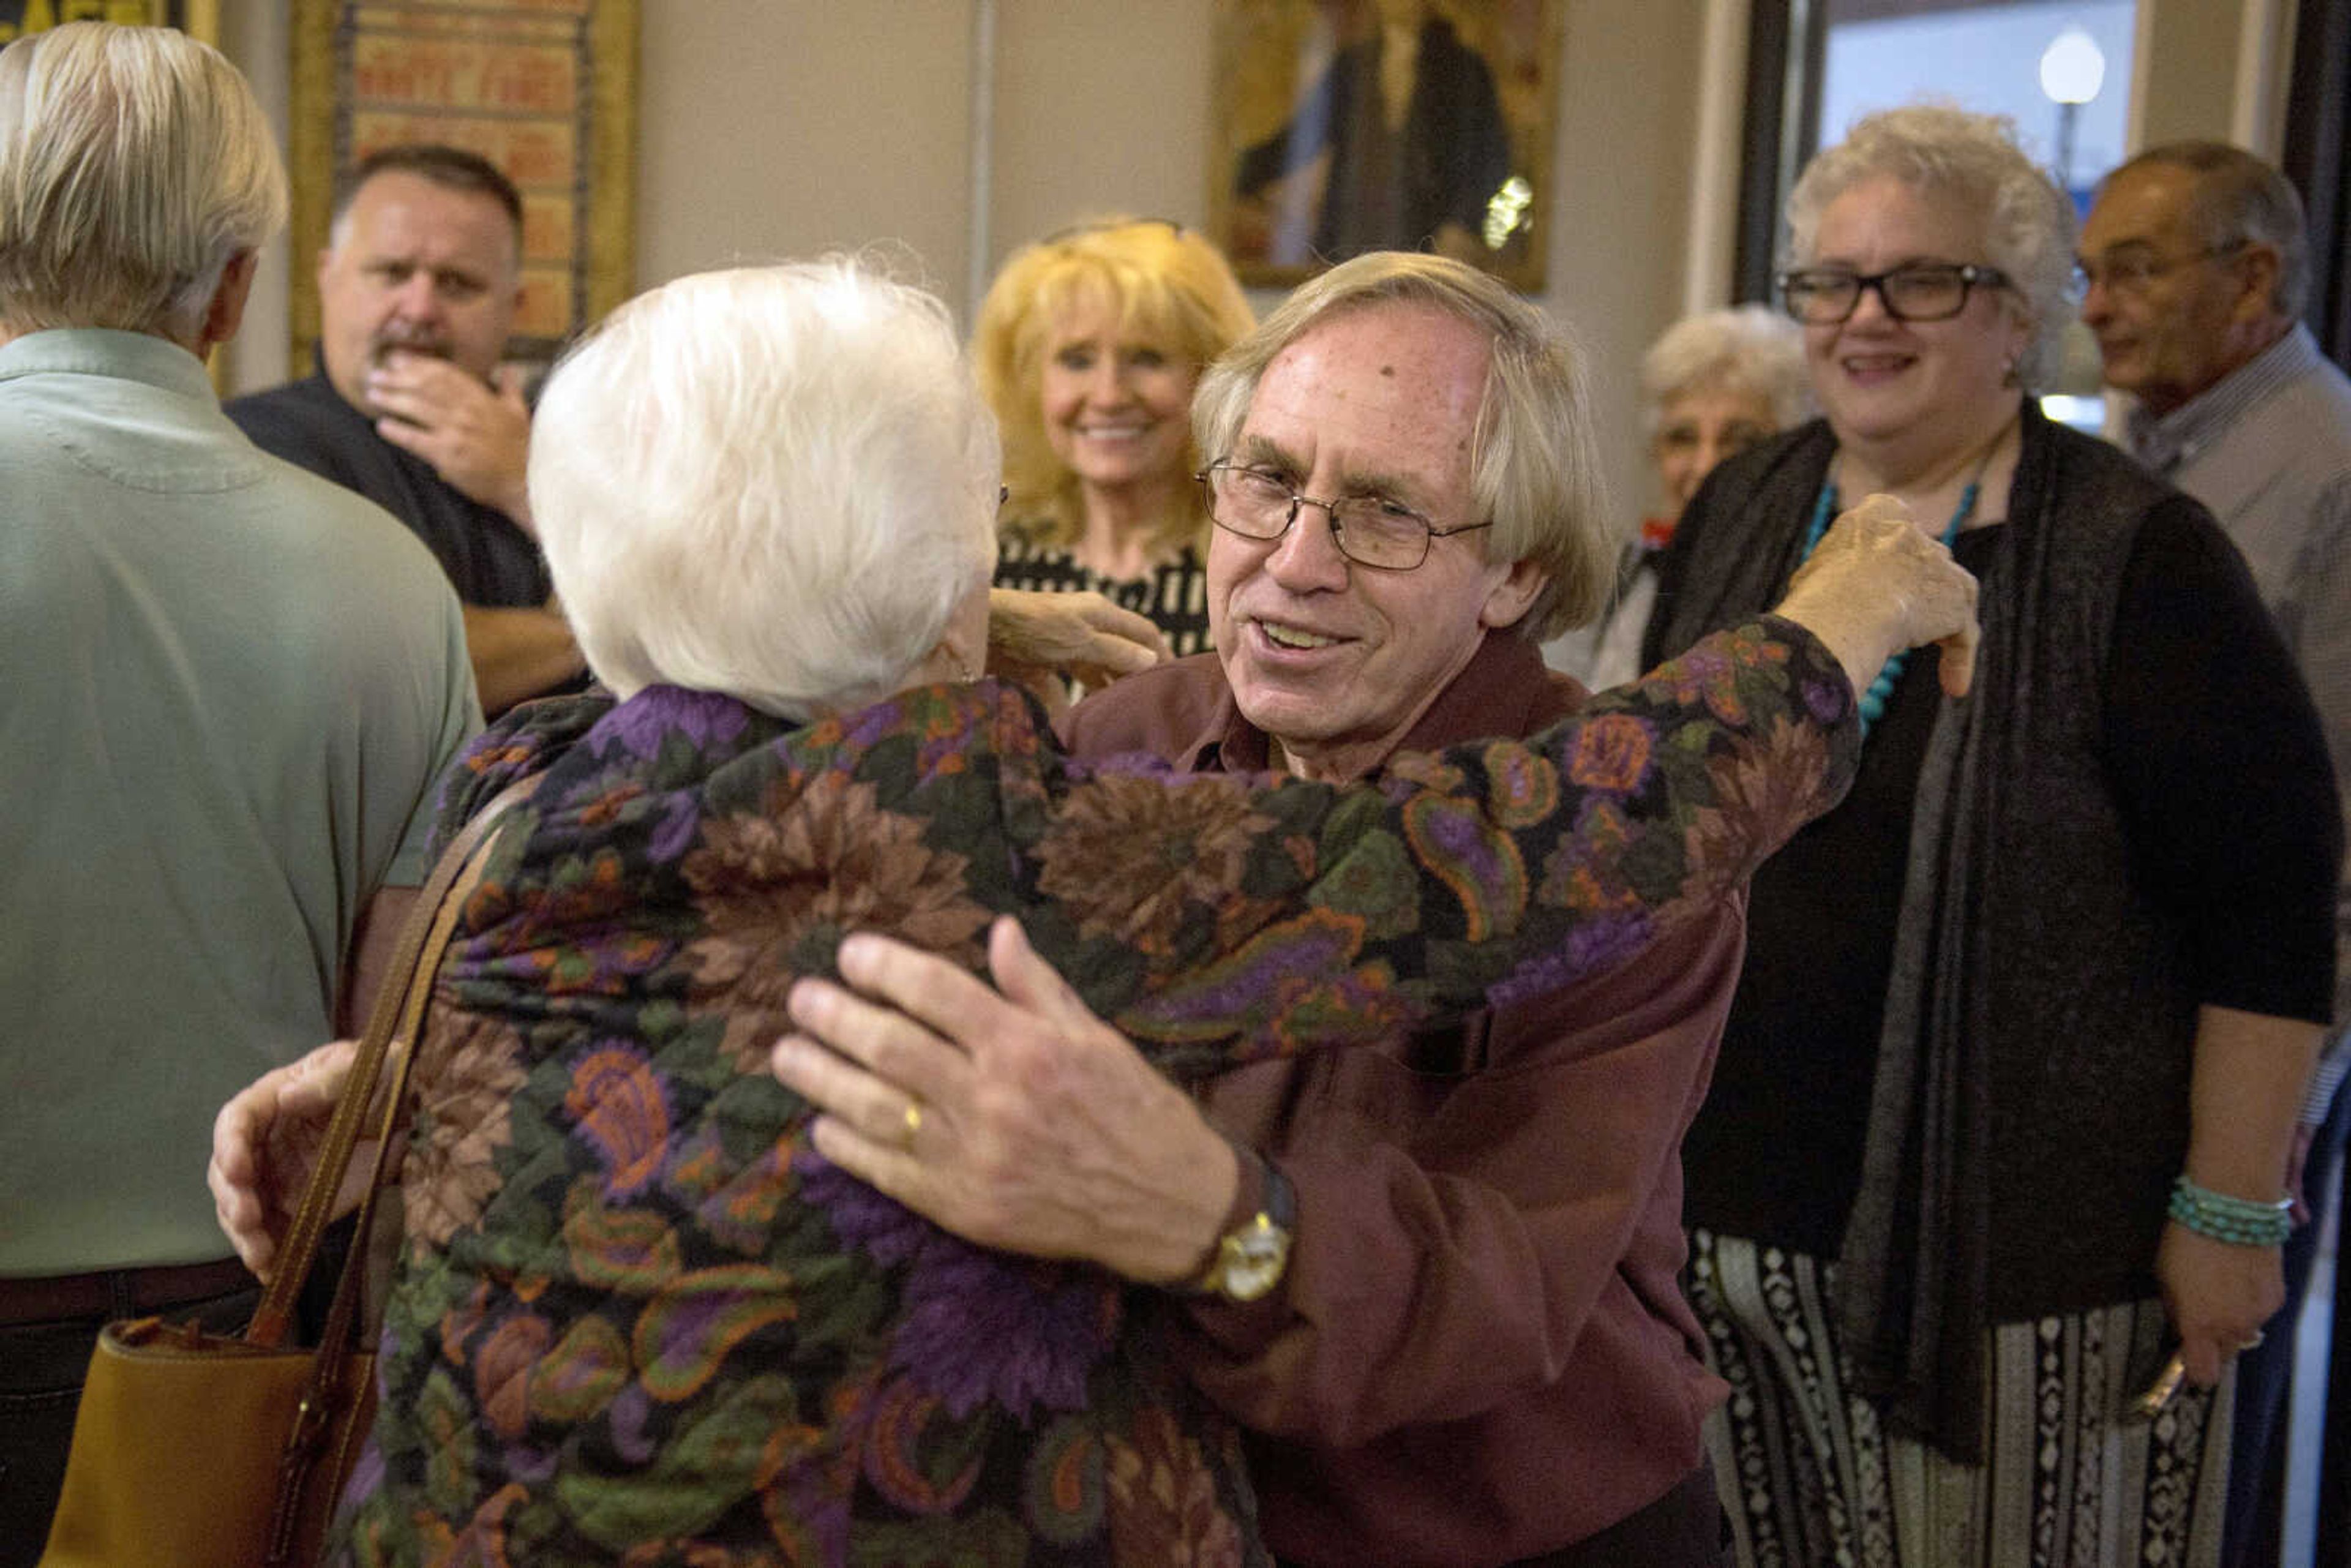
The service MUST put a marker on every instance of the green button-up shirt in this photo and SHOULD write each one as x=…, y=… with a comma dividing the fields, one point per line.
x=226, y=688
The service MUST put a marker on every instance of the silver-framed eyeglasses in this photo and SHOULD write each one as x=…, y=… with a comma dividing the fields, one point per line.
x=1918, y=291
x=2130, y=272
x=1370, y=530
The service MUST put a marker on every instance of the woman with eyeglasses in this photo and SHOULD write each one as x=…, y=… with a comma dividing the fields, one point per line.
x=2002, y=1111
x=1088, y=346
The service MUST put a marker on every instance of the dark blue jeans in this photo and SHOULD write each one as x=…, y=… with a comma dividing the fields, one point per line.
x=42, y=1365
x=2253, y=1536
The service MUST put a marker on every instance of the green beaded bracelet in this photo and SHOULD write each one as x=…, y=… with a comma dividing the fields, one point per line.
x=2238, y=1220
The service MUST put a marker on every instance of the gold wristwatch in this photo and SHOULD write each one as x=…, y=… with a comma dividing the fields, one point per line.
x=1248, y=1258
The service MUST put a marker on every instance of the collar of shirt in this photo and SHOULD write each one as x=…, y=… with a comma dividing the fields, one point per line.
x=1504, y=690
x=2164, y=443
x=106, y=351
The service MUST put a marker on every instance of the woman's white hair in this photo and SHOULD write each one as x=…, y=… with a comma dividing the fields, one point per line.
x=1747, y=351
x=773, y=482
x=2025, y=223
x=134, y=164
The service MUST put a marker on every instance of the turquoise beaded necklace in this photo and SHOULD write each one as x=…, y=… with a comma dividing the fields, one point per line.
x=1881, y=690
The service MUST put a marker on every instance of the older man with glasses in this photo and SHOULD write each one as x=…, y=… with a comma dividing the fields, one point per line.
x=1436, y=1287
x=2196, y=269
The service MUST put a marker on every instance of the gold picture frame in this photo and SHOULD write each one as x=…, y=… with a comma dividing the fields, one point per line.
x=199, y=19
x=1342, y=126
x=546, y=89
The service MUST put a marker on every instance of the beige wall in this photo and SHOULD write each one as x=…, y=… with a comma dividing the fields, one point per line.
x=2196, y=63
x=252, y=34
x=1099, y=108
x=1620, y=177
x=770, y=129
x=773, y=127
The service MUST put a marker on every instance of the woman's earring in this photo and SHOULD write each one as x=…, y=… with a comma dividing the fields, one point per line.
x=2008, y=372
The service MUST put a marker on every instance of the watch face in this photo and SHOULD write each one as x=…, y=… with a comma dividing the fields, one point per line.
x=1254, y=1259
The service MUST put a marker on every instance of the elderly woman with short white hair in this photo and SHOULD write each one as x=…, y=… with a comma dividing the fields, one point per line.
x=1717, y=383
x=1712, y=385
x=636, y=1317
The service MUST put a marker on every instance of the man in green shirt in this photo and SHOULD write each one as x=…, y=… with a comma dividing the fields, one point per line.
x=229, y=686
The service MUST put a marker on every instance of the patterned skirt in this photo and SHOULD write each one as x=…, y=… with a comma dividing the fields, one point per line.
x=1809, y=1478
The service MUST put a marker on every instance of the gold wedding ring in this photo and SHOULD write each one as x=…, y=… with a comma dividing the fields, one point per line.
x=914, y=1125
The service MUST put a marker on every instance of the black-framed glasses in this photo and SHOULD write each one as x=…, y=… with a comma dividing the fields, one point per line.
x=1920, y=291
x=2130, y=273
x=1369, y=531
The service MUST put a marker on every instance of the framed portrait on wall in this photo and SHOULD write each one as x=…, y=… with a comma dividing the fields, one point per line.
x=1344, y=126
x=544, y=89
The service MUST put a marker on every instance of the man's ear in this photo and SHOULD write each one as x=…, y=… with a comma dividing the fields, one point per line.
x=225, y=312
x=1508, y=602
x=2262, y=266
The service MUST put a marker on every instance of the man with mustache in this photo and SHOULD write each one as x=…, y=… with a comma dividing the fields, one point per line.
x=418, y=287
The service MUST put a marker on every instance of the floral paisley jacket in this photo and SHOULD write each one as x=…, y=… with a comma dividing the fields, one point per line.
x=638, y=1321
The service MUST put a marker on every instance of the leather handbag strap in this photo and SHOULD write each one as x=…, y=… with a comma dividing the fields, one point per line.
x=399, y=1006
x=337, y=1365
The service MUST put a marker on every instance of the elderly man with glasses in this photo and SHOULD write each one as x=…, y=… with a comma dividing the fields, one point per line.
x=2196, y=271
x=1437, y=1286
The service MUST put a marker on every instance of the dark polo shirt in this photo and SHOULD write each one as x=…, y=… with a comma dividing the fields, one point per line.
x=492, y=563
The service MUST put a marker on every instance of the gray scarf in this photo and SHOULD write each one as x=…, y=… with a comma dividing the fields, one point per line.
x=1913, y=1270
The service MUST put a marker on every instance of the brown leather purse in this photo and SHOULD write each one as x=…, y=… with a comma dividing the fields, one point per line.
x=205, y=1450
